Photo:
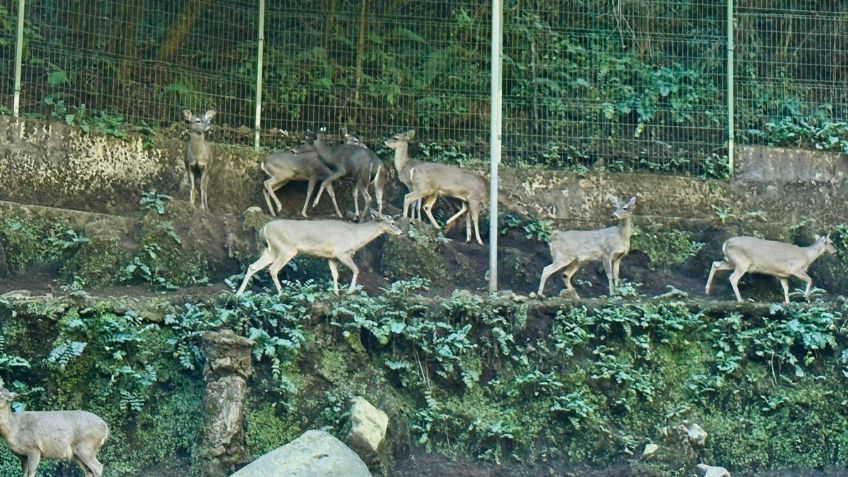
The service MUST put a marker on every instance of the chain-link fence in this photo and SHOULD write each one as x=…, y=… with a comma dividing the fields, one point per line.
x=624, y=85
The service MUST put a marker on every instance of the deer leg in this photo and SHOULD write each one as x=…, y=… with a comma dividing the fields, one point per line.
x=88, y=461
x=270, y=187
x=807, y=280
x=85, y=470
x=616, y=264
x=191, y=187
x=347, y=261
x=334, y=271
x=33, y=459
x=310, y=187
x=457, y=215
x=379, y=184
x=569, y=272
x=784, y=283
x=278, y=264
x=546, y=273
x=329, y=180
x=734, y=282
x=475, y=217
x=204, y=181
x=356, y=200
x=24, y=464
x=267, y=258
x=332, y=195
x=608, y=269
x=408, y=199
x=367, y=206
x=717, y=265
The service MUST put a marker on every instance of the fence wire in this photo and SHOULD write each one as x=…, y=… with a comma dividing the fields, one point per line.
x=618, y=85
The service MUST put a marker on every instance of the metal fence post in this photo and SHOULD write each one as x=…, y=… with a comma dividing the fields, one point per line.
x=260, y=49
x=731, y=135
x=495, y=139
x=19, y=53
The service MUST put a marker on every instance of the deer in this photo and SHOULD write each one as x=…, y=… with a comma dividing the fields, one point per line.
x=304, y=165
x=779, y=259
x=571, y=248
x=335, y=240
x=430, y=181
x=356, y=162
x=198, y=154
x=399, y=143
x=66, y=435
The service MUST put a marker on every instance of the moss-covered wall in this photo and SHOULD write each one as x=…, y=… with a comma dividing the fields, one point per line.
x=548, y=385
x=60, y=166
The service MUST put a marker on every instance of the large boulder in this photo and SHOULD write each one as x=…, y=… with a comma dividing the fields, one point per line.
x=313, y=454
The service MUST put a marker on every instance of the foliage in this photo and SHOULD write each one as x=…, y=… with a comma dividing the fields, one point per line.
x=36, y=242
x=665, y=247
x=534, y=229
x=470, y=375
x=153, y=200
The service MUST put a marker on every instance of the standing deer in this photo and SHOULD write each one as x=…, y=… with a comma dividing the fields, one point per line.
x=198, y=153
x=283, y=167
x=356, y=162
x=430, y=180
x=571, y=248
x=334, y=240
x=66, y=435
x=403, y=165
x=779, y=259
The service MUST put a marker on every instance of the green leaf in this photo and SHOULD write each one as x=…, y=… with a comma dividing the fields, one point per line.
x=57, y=77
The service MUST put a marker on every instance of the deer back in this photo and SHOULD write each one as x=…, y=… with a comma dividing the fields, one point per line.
x=773, y=257
x=448, y=180
x=296, y=166
x=323, y=238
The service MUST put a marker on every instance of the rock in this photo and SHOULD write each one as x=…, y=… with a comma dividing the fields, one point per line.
x=368, y=428
x=696, y=435
x=650, y=449
x=313, y=454
x=712, y=471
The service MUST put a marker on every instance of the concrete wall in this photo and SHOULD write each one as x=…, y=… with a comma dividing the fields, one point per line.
x=54, y=165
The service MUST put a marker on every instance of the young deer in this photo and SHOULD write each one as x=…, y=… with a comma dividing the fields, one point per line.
x=779, y=259
x=67, y=435
x=198, y=153
x=356, y=162
x=334, y=240
x=283, y=167
x=430, y=180
x=572, y=248
x=403, y=165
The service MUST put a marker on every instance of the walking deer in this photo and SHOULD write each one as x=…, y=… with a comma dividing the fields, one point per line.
x=335, y=240
x=283, y=167
x=610, y=245
x=778, y=259
x=356, y=162
x=198, y=153
x=66, y=435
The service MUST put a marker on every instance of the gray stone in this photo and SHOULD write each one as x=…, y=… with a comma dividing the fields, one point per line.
x=313, y=454
x=712, y=471
x=368, y=428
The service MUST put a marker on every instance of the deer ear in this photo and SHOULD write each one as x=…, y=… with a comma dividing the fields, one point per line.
x=209, y=115
x=410, y=134
x=816, y=236
x=613, y=200
x=632, y=201
x=187, y=114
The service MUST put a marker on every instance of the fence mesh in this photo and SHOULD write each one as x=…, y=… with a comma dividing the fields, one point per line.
x=622, y=85
x=792, y=70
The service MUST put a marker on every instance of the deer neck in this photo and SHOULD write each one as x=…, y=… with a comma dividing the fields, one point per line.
x=7, y=422
x=401, y=157
x=365, y=234
x=814, y=251
x=196, y=137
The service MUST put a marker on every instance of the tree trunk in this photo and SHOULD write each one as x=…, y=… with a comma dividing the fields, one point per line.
x=189, y=16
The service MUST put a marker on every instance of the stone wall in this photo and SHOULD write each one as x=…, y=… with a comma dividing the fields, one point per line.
x=55, y=165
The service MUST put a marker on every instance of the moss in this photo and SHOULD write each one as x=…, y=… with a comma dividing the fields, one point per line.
x=268, y=427
x=664, y=247
x=97, y=263
x=29, y=242
x=415, y=253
